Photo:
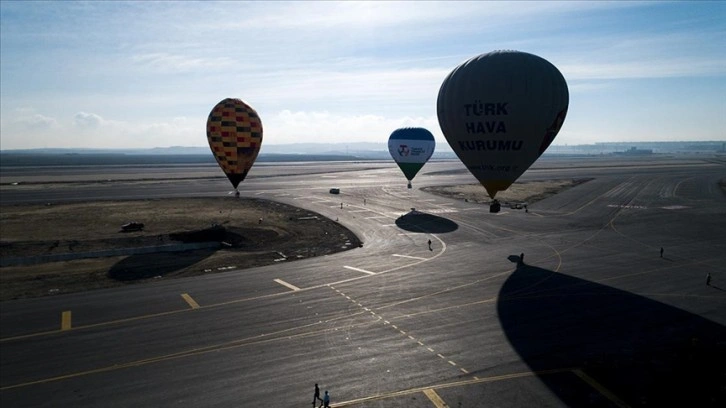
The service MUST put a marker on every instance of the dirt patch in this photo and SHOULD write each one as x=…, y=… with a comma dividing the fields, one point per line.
x=526, y=192
x=247, y=233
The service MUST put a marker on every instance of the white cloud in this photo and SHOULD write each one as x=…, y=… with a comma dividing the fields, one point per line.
x=326, y=127
x=85, y=120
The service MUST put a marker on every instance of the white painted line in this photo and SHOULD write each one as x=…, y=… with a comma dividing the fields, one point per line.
x=388, y=225
x=452, y=363
x=441, y=356
x=420, y=344
x=283, y=283
x=463, y=371
x=412, y=338
x=411, y=257
x=359, y=270
x=430, y=349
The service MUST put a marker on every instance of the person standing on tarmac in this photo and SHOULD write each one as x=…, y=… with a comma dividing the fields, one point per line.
x=326, y=400
x=316, y=396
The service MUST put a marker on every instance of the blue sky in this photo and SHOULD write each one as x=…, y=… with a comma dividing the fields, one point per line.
x=146, y=74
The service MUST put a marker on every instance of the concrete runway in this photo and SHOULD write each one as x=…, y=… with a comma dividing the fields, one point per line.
x=594, y=316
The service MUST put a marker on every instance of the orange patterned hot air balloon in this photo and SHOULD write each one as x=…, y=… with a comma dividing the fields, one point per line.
x=234, y=133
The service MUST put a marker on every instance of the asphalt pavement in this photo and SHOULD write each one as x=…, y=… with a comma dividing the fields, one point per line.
x=592, y=316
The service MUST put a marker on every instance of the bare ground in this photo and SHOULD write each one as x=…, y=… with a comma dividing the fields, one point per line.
x=526, y=192
x=255, y=233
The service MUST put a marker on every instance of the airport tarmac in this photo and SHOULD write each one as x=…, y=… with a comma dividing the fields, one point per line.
x=593, y=315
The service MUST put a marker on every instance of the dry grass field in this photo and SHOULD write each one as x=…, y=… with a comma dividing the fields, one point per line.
x=254, y=232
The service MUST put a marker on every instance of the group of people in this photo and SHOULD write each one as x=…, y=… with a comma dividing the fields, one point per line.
x=325, y=401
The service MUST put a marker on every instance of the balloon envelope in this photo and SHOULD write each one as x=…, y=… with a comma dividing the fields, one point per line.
x=411, y=148
x=234, y=133
x=499, y=112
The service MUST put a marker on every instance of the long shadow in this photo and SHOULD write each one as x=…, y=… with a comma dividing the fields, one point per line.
x=416, y=221
x=645, y=352
x=145, y=266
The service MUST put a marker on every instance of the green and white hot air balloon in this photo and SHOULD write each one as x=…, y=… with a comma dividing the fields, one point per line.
x=411, y=148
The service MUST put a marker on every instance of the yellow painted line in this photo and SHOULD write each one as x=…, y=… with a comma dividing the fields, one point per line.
x=602, y=390
x=359, y=270
x=287, y=285
x=66, y=320
x=191, y=301
x=434, y=397
x=475, y=380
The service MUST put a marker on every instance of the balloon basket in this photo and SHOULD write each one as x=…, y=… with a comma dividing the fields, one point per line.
x=494, y=207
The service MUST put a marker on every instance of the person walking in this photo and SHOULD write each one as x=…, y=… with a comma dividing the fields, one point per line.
x=326, y=400
x=430, y=249
x=521, y=258
x=661, y=252
x=708, y=279
x=316, y=396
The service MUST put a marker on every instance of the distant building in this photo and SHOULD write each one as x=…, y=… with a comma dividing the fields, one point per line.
x=634, y=151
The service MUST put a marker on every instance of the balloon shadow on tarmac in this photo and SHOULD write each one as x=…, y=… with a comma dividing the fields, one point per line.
x=416, y=221
x=645, y=353
x=145, y=266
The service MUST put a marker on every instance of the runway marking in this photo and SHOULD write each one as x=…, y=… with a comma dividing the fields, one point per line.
x=225, y=303
x=408, y=256
x=66, y=320
x=435, y=399
x=283, y=283
x=358, y=270
x=388, y=225
x=602, y=390
x=189, y=300
x=403, y=332
x=463, y=370
x=475, y=380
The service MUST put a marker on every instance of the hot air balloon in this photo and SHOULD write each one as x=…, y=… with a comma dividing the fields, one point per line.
x=499, y=112
x=411, y=148
x=234, y=133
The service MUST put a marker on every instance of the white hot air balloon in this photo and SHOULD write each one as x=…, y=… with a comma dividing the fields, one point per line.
x=499, y=112
x=411, y=148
